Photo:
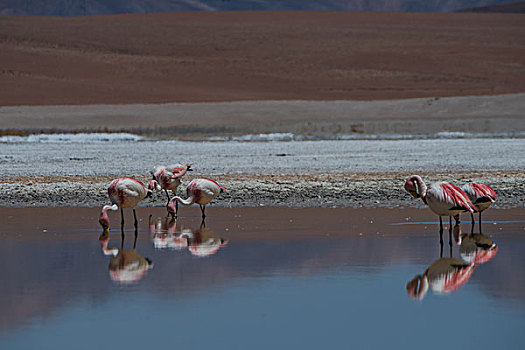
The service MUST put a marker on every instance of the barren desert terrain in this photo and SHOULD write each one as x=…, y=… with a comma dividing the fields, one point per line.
x=233, y=56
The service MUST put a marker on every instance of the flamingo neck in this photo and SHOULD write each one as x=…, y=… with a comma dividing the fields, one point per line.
x=418, y=287
x=458, y=236
x=421, y=187
x=187, y=201
x=171, y=206
x=104, y=219
x=154, y=186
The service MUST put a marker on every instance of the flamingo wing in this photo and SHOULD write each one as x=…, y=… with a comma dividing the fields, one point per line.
x=482, y=190
x=455, y=196
x=178, y=170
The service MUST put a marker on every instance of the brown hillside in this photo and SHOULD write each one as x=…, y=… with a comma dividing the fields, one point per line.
x=222, y=56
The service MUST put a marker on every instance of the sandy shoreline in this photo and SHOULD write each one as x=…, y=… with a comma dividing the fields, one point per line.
x=325, y=173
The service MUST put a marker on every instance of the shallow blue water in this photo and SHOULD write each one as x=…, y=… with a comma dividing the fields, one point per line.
x=311, y=292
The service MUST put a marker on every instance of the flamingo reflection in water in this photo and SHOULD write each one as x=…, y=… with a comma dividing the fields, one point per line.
x=163, y=235
x=126, y=265
x=475, y=248
x=200, y=242
x=203, y=242
x=442, y=276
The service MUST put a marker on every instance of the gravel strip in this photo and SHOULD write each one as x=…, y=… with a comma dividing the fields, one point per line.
x=324, y=190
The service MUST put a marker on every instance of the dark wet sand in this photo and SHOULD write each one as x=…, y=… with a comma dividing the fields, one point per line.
x=247, y=223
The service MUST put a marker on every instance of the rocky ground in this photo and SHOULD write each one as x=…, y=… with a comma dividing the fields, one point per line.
x=324, y=190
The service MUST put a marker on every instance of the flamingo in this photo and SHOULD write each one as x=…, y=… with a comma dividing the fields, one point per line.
x=482, y=196
x=168, y=178
x=124, y=192
x=200, y=191
x=443, y=198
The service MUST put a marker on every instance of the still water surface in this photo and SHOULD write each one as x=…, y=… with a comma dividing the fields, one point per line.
x=256, y=278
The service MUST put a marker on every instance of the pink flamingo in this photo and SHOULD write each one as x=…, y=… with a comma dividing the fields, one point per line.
x=443, y=198
x=482, y=196
x=124, y=192
x=168, y=178
x=200, y=191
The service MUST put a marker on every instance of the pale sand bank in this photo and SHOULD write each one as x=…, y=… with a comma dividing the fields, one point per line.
x=328, y=119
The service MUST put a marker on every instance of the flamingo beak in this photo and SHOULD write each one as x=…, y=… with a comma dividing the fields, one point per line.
x=414, y=194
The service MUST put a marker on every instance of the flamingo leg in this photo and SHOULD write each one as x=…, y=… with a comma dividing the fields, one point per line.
x=450, y=234
x=167, y=195
x=122, y=229
x=135, y=240
x=203, y=223
x=441, y=248
x=441, y=233
x=472, y=227
x=122, y=219
x=203, y=208
x=135, y=216
x=479, y=222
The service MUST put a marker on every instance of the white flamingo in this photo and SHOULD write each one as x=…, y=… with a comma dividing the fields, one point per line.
x=443, y=198
x=124, y=192
x=482, y=196
x=200, y=191
x=168, y=178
